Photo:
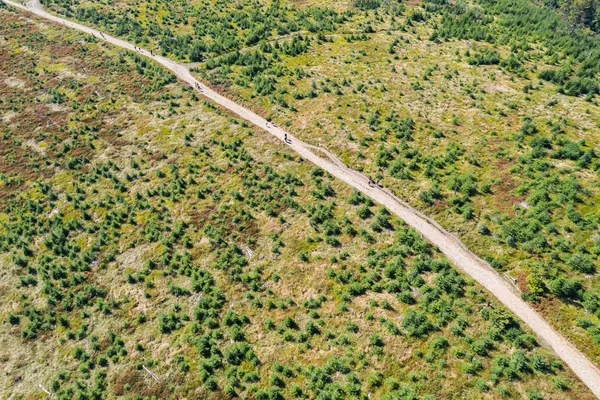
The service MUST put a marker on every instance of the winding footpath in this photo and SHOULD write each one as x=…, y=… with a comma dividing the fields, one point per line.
x=453, y=248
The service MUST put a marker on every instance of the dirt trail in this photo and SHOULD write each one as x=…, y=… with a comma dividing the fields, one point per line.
x=453, y=248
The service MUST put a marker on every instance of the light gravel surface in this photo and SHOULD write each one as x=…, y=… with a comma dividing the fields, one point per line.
x=455, y=250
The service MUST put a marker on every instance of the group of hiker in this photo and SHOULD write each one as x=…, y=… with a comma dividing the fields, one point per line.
x=285, y=135
x=371, y=181
x=197, y=85
x=285, y=139
x=138, y=49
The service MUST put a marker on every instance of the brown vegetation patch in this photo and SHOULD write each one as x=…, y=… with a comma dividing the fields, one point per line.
x=139, y=382
x=504, y=197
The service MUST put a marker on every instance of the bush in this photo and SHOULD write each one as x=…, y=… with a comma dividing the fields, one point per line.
x=582, y=263
x=376, y=340
x=375, y=380
x=580, y=87
x=264, y=85
x=560, y=383
x=485, y=57
x=303, y=256
x=356, y=289
x=312, y=328
x=211, y=384
x=13, y=319
x=483, y=229
x=416, y=323
x=367, y=4
x=364, y=212
x=168, y=322
x=565, y=288
x=539, y=363
x=557, y=76
x=471, y=368
x=439, y=343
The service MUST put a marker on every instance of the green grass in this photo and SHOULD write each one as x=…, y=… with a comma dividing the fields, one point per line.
x=129, y=248
x=471, y=77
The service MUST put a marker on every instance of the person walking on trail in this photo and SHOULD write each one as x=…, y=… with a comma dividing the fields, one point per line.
x=285, y=137
x=370, y=181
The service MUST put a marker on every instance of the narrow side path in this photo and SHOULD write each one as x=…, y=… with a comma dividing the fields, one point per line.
x=453, y=248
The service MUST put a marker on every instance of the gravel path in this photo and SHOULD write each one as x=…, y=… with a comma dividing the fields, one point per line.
x=455, y=250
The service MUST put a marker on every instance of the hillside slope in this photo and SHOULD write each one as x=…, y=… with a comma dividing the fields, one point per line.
x=484, y=115
x=141, y=232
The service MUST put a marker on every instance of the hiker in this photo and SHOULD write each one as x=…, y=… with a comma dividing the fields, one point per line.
x=370, y=181
x=285, y=137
